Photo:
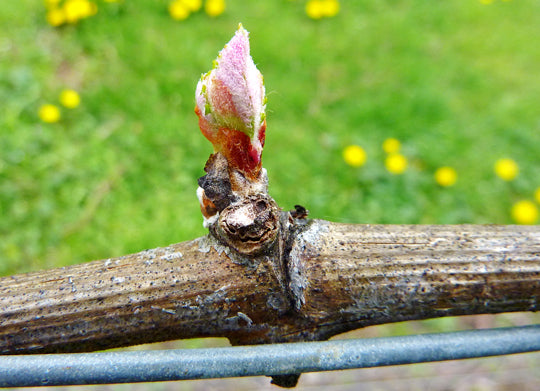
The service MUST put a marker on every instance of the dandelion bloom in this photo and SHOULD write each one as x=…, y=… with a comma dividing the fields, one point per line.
x=524, y=212
x=214, y=8
x=317, y=9
x=391, y=145
x=193, y=5
x=354, y=156
x=396, y=163
x=49, y=113
x=446, y=176
x=76, y=10
x=70, y=99
x=314, y=9
x=537, y=195
x=178, y=10
x=506, y=169
x=56, y=17
x=330, y=8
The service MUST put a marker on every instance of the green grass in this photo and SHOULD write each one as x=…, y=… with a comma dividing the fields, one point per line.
x=455, y=81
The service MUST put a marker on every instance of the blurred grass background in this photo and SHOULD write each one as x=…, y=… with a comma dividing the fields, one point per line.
x=456, y=82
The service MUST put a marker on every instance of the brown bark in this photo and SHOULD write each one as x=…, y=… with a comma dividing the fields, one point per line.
x=353, y=276
x=323, y=279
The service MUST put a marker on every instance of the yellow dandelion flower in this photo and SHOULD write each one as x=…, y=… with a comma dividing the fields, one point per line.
x=70, y=99
x=178, y=10
x=506, y=169
x=315, y=9
x=49, y=113
x=396, y=163
x=214, y=8
x=193, y=5
x=524, y=212
x=76, y=10
x=56, y=17
x=391, y=145
x=354, y=156
x=330, y=8
x=446, y=176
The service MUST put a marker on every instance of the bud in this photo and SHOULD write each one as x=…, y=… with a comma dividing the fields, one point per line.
x=231, y=106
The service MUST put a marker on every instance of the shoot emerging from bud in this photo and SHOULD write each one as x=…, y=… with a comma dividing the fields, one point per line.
x=231, y=106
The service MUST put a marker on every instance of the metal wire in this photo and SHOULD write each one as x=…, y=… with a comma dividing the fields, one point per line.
x=276, y=359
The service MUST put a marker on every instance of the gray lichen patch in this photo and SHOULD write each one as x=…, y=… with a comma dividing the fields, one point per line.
x=171, y=257
x=205, y=243
x=245, y=318
x=304, y=246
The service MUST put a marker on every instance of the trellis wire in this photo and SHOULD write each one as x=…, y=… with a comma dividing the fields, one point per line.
x=275, y=359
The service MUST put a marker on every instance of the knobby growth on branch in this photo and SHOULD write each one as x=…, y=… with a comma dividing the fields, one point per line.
x=264, y=275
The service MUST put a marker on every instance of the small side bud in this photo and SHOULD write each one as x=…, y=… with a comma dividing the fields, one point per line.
x=249, y=226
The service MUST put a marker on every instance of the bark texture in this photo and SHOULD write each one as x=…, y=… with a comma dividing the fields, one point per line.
x=318, y=280
x=349, y=276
